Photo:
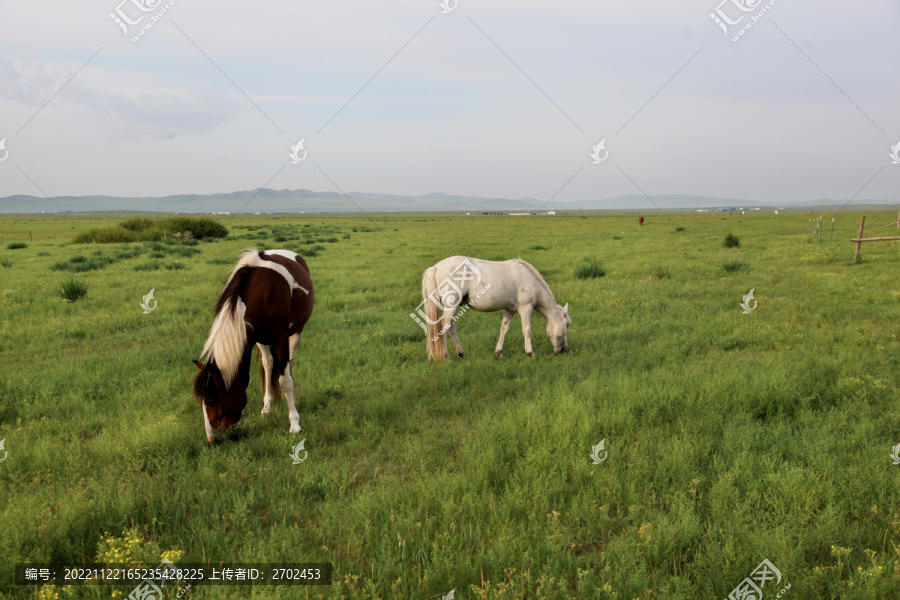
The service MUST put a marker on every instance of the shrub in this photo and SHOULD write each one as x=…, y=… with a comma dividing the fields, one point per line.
x=200, y=227
x=280, y=238
x=43, y=254
x=72, y=289
x=175, y=266
x=732, y=266
x=660, y=271
x=6, y=263
x=105, y=235
x=538, y=247
x=680, y=228
x=617, y=237
x=731, y=241
x=137, y=224
x=220, y=261
x=590, y=269
x=17, y=246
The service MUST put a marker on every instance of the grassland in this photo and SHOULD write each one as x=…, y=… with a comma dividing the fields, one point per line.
x=732, y=437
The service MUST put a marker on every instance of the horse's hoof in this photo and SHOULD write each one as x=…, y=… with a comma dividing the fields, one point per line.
x=296, y=429
x=499, y=354
x=462, y=355
x=531, y=354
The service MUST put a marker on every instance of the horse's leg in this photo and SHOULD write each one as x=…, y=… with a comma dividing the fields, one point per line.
x=268, y=363
x=459, y=348
x=504, y=329
x=283, y=350
x=288, y=384
x=525, y=314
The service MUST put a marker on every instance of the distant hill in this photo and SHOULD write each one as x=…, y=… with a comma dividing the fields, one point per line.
x=295, y=201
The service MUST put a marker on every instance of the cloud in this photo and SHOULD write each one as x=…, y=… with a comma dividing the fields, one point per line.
x=140, y=114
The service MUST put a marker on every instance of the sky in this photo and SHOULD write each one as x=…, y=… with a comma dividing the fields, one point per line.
x=493, y=99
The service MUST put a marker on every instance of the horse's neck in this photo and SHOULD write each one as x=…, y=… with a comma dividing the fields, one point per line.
x=545, y=305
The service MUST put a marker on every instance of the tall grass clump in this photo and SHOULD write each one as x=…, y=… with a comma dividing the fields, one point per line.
x=80, y=264
x=6, y=263
x=150, y=265
x=731, y=241
x=72, y=289
x=680, y=228
x=732, y=266
x=17, y=246
x=590, y=269
x=660, y=271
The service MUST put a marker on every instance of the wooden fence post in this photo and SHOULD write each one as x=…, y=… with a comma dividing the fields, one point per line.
x=164, y=234
x=862, y=224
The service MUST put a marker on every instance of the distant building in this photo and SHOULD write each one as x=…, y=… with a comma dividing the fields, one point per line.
x=521, y=214
x=493, y=212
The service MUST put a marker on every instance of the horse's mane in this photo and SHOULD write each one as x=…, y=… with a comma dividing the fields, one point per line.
x=538, y=277
x=228, y=335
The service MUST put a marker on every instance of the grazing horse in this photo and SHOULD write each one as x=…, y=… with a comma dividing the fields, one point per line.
x=266, y=301
x=513, y=286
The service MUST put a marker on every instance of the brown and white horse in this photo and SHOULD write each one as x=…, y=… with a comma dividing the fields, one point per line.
x=266, y=301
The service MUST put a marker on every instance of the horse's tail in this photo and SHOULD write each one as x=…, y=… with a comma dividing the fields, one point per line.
x=436, y=343
x=228, y=334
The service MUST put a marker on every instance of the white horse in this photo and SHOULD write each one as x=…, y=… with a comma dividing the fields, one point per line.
x=513, y=286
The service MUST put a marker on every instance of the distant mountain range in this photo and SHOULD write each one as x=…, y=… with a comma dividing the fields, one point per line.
x=295, y=201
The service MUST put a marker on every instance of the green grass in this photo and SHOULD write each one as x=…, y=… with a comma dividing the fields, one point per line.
x=732, y=437
x=17, y=246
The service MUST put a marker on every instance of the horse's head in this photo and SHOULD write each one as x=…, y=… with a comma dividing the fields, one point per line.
x=222, y=405
x=558, y=327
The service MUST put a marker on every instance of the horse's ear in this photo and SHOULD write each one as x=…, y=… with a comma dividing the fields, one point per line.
x=199, y=364
x=566, y=308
